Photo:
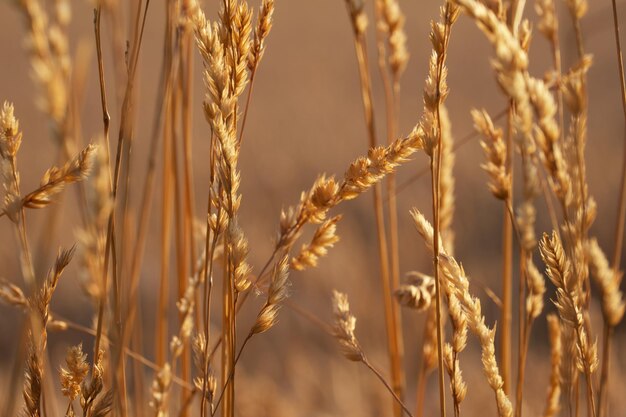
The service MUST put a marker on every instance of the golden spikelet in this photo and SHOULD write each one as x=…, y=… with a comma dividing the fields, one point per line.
x=345, y=324
x=160, y=390
x=277, y=292
x=417, y=292
x=12, y=294
x=547, y=18
x=536, y=290
x=393, y=25
x=91, y=390
x=10, y=135
x=239, y=248
x=74, y=375
x=55, y=179
x=261, y=31
x=358, y=18
x=325, y=237
x=32, y=383
x=454, y=273
x=457, y=384
x=495, y=151
x=613, y=305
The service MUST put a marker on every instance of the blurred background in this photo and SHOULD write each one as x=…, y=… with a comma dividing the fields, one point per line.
x=306, y=118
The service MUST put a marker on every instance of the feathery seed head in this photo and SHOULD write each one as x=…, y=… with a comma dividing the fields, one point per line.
x=74, y=375
x=345, y=324
x=277, y=292
x=417, y=292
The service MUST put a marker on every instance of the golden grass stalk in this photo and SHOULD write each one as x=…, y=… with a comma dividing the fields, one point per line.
x=261, y=31
x=10, y=141
x=225, y=48
x=122, y=158
x=495, y=150
x=619, y=226
x=74, y=375
x=345, y=325
x=429, y=357
x=267, y=316
x=556, y=356
x=49, y=49
x=568, y=303
x=358, y=20
x=390, y=27
x=457, y=283
x=162, y=383
x=436, y=125
x=498, y=166
x=13, y=295
x=55, y=179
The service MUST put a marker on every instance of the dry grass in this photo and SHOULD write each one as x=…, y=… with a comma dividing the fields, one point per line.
x=208, y=258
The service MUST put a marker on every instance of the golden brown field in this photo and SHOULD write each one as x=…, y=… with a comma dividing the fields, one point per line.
x=229, y=208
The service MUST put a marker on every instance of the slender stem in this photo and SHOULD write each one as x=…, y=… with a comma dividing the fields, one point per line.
x=393, y=341
x=106, y=118
x=604, y=376
x=367, y=363
x=421, y=390
x=435, y=197
x=507, y=265
x=621, y=217
x=391, y=110
x=186, y=69
x=245, y=111
x=231, y=374
x=435, y=169
x=523, y=337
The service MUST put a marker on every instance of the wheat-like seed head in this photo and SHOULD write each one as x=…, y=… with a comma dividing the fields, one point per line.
x=578, y=8
x=536, y=290
x=559, y=270
x=457, y=384
x=277, y=292
x=160, y=390
x=12, y=294
x=495, y=151
x=10, y=135
x=55, y=179
x=91, y=390
x=32, y=383
x=261, y=31
x=425, y=229
x=74, y=375
x=417, y=292
x=239, y=254
x=358, y=18
x=392, y=24
x=48, y=46
x=546, y=11
x=345, y=324
x=613, y=305
x=103, y=405
x=325, y=237
x=456, y=283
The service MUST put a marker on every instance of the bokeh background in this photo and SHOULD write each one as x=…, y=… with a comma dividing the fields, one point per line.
x=306, y=118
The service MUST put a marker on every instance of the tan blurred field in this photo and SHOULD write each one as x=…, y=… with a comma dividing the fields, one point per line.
x=305, y=118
